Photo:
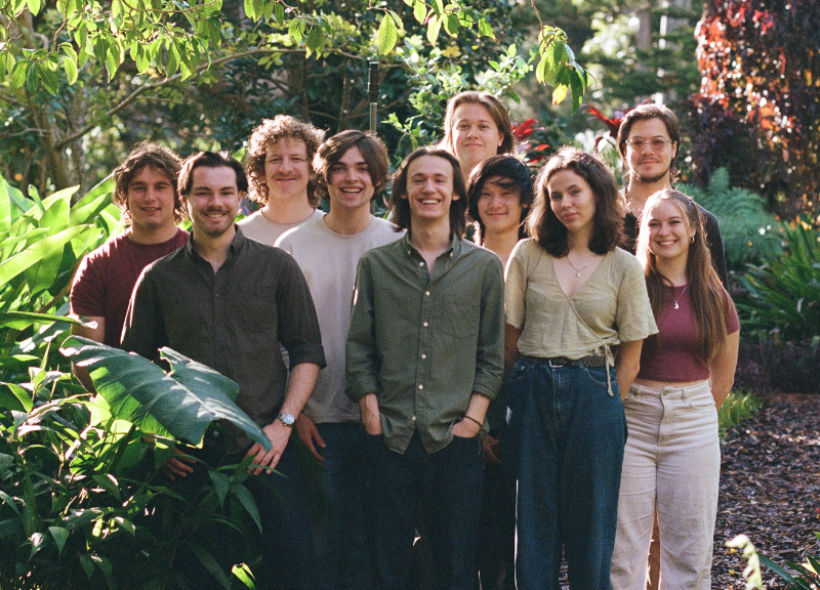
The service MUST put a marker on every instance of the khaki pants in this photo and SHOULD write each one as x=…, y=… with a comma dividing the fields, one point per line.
x=672, y=463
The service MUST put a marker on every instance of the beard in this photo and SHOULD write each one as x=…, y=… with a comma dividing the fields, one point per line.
x=643, y=179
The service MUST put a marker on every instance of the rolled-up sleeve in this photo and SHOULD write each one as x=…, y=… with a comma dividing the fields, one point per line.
x=361, y=357
x=489, y=370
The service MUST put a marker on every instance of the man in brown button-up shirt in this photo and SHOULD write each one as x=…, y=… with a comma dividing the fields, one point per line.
x=229, y=302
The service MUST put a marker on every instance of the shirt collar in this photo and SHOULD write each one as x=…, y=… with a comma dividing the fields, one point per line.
x=452, y=251
x=236, y=245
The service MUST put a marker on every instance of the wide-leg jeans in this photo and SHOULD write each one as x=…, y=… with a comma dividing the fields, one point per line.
x=569, y=435
x=672, y=461
x=447, y=485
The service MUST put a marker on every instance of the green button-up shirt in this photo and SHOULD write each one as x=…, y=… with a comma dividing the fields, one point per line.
x=423, y=344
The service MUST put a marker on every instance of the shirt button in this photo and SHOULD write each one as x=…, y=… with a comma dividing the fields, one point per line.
x=421, y=386
x=424, y=324
x=424, y=356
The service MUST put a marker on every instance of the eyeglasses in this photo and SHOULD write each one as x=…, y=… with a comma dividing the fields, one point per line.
x=657, y=143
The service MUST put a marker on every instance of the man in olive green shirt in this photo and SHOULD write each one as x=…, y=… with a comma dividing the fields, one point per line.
x=424, y=359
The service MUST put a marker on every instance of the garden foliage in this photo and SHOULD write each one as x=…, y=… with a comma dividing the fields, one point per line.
x=82, y=504
x=749, y=232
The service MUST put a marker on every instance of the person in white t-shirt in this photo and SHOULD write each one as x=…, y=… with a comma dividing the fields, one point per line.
x=278, y=162
x=352, y=168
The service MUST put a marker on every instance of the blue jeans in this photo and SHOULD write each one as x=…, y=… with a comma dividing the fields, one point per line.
x=568, y=434
x=447, y=485
x=347, y=564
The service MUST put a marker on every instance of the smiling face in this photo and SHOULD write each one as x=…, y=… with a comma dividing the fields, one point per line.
x=213, y=200
x=475, y=135
x=150, y=200
x=287, y=170
x=349, y=183
x=572, y=201
x=499, y=206
x=429, y=189
x=669, y=230
x=651, y=161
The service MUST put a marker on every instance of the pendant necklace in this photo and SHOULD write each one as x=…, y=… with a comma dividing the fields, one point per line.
x=675, y=299
x=578, y=270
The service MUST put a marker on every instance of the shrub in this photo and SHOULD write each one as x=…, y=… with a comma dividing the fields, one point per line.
x=750, y=234
x=739, y=406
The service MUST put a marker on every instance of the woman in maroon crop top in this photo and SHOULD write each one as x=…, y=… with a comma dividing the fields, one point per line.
x=672, y=454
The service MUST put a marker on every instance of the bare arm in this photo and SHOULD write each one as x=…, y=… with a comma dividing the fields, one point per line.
x=301, y=381
x=627, y=365
x=722, y=368
x=371, y=417
x=511, y=336
x=88, y=330
x=471, y=424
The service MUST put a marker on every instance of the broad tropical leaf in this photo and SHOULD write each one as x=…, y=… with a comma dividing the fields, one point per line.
x=184, y=401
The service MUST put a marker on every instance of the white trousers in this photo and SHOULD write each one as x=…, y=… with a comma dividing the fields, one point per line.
x=672, y=462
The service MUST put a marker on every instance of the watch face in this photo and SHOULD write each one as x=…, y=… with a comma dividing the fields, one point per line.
x=287, y=419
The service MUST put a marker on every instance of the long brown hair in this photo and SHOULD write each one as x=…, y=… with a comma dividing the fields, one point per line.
x=706, y=293
x=544, y=226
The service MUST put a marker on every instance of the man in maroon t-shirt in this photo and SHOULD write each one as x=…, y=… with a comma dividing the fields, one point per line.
x=147, y=196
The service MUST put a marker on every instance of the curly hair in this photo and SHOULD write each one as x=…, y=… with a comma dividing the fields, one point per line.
x=160, y=159
x=514, y=174
x=333, y=149
x=707, y=294
x=548, y=230
x=645, y=112
x=271, y=131
x=493, y=106
x=400, y=206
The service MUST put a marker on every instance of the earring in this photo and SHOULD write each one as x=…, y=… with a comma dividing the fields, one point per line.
x=692, y=240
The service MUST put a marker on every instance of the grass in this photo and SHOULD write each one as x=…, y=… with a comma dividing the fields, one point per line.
x=739, y=406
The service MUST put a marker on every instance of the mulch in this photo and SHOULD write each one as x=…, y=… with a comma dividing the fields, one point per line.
x=770, y=488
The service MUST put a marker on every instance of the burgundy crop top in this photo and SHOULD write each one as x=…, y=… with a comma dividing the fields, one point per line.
x=676, y=357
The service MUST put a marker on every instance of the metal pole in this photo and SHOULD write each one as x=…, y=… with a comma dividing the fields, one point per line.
x=373, y=90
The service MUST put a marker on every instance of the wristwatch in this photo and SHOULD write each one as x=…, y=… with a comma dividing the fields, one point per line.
x=286, y=419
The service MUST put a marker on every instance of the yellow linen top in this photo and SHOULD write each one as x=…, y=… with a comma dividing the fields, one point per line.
x=613, y=304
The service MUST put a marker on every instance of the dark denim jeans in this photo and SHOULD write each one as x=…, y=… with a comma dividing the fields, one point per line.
x=346, y=565
x=447, y=486
x=569, y=436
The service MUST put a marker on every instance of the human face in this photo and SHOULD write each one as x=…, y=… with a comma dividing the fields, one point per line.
x=572, y=201
x=213, y=201
x=429, y=188
x=150, y=200
x=669, y=231
x=650, y=164
x=287, y=170
x=350, y=185
x=475, y=135
x=499, y=206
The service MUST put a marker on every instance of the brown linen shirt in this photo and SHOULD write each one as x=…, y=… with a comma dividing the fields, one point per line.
x=233, y=320
x=424, y=344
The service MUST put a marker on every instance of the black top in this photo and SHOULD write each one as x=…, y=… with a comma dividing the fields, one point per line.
x=713, y=237
x=233, y=320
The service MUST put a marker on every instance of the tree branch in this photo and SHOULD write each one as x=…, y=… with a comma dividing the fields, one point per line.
x=131, y=97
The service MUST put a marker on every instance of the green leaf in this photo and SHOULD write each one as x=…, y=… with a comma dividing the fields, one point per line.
x=60, y=536
x=70, y=63
x=485, y=29
x=315, y=38
x=14, y=397
x=578, y=84
x=248, y=503
x=295, y=30
x=433, y=29
x=34, y=6
x=438, y=7
x=171, y=59
x=279, y=13
x=5, y=209
x=38, y=251
x=451, y=25
x=245, y=575
x=419, y=11
x=250, y=10
x=559, y=93
x=388, y=35
x=211, y=565
x=184, y=401
x=18, y=76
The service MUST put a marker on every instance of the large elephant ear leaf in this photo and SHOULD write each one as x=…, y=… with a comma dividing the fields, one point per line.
x=184, y=402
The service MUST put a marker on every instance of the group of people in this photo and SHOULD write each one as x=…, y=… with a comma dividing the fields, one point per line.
x=476, y=392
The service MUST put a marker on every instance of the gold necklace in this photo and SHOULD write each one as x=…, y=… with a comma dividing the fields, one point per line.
x=576, y=269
